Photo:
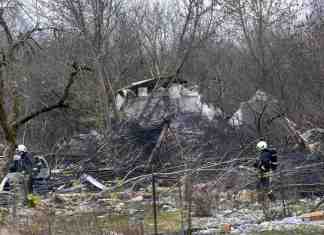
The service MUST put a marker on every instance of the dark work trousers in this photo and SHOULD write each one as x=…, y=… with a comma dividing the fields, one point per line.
x=264, y=183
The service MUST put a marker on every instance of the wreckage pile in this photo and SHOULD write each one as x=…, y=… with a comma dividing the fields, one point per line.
x=167, y=128
x=160, y=131
x=171, y=132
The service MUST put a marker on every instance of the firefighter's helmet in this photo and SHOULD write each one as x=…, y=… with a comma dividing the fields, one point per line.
x=261, y=145
x=21, y=148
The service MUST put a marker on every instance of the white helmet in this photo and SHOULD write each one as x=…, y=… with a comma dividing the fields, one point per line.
x=21, y=148
x=262, y=145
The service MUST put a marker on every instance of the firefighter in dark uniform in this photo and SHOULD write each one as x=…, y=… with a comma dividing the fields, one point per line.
x=266, y=163
x=23, y=163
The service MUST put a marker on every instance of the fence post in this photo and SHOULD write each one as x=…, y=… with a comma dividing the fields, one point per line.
x=189, y=203
x=283, y=195
x=181, y=205
x=154, y=205
x=14, y=205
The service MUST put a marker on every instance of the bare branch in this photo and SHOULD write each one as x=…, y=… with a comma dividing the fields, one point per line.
x=158, y=143
x=4, y=25
x=3, y=114
x=259, y=119
x=25, y=37
x=61, y=102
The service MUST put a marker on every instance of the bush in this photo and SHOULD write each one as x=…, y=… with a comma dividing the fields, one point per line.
x=33, y=200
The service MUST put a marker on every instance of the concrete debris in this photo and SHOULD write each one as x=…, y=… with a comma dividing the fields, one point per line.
x=57, y=199
x=82, y=144
x=137, y=199
x=248, y=111
x=287, y=224
x=262, y=112
x=175, y=97
x=6, y=230
x=313, y=216
x=73, y=189
x=244, y=220
x=221, y=207
x=210, y=231
x=243, y=223
x=314, y=140
x=120, y=207
x=136, y=211
x=93, y=181
x=14, y=189
x=247, y=196
x=168, y=208
x=3, y=182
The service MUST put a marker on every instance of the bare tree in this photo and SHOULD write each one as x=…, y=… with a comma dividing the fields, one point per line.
x=11, y=68
x=170, y=32
x=96, y=21
x=258, y=21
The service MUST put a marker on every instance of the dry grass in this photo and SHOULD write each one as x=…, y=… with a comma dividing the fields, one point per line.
x=42, y=222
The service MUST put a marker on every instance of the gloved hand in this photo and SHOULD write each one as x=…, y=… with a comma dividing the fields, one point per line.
x=16, y=157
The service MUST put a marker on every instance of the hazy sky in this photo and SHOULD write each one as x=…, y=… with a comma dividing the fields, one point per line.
x=31, y=10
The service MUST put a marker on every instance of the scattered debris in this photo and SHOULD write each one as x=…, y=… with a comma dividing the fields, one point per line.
x=247, y=196
x=81, y=145
x=156, y=124
x=14, y=190
x=40, y=176
x=314, y=140
x=262, y=114
x=93, y=181
x=313, y=216
x=227, y=228
x=249, y=112
x=165, y=96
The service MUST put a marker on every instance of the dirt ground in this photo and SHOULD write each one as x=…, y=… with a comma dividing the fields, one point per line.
x=7, y=231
